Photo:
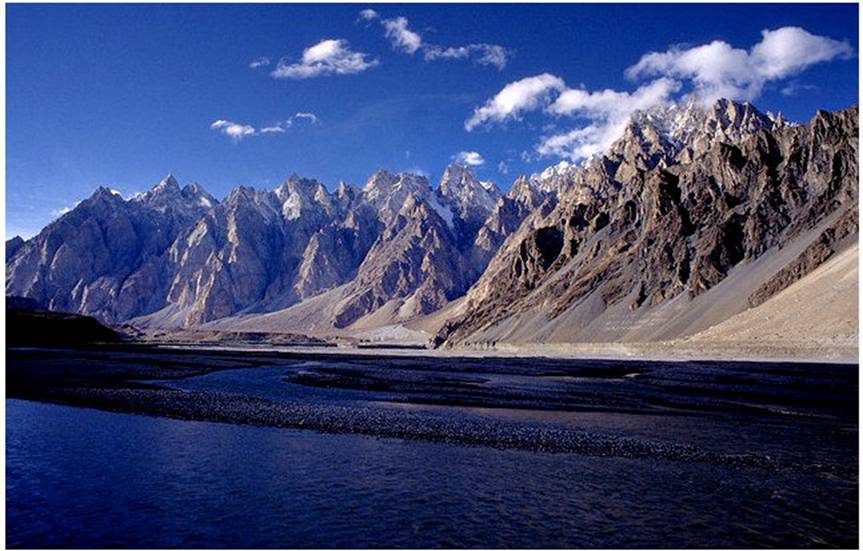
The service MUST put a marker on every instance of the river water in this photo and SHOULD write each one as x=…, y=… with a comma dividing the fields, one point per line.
x=79, y=477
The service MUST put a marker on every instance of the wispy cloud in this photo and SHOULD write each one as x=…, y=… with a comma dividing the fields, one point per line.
x=259, y=62
x=327, y=57
x=503, y=167
x=482, y=54
x=470, y=158
x=407, y=40
x=709, y=71
x=237, y=131
x=311, y=117
x=795, y=87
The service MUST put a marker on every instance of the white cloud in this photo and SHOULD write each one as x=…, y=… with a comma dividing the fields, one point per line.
x=791, y=50
x=608, y=103
x=503, y=167
x=482, y=54
x=238, y=131
x=401, y=36
x=418, y=171
x=406, y=40
x=259, y=62
x=470, y=158
x=711, y=70
x=64, y=210
x=719, y=70
x=278, y=128
x=233, y=130
x=795, y=87
x=607, y=113
x=327, y=57
x=515, y=98
x=368, y=14
x=311, y=117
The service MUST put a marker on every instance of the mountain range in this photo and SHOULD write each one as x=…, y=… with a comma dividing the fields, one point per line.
x=693, y=216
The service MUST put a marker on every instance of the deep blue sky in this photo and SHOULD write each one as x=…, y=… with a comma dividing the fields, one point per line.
x=122, y=95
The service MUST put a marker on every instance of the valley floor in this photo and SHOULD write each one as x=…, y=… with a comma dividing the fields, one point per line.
x=815, y=319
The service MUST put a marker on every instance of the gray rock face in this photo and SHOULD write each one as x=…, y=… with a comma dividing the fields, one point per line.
x=472, y=201
x=179, y=251
x=524, y=197
x=12, y=246
x=423, y=255
x=105, y=258
x=655, y=218
x=415, y=258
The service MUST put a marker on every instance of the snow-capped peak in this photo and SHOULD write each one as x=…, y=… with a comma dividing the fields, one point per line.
x=561, y=168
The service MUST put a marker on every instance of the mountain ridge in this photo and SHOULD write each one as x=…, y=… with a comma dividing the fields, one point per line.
x=178, y=257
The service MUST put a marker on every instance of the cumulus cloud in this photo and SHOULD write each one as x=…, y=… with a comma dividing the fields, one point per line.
x=606, y=103
x=482, y=54
x=259, y=62
x=469, y=158
x=327, y=57
x=516, y=98
x=402, y=37
x=710, y=71
x=719, y=70
x=237, y=131
x=604, y=113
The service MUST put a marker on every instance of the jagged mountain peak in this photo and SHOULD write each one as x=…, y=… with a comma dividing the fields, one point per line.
x=168, y=182
x=241, y=194
x=344, y=188
x=379, y=179
x=167, y=195
x=196, y=194
x=13, y=245
x=458, y=173
x=459, y=179
x=103, y=193
x=727, y=114
x=471, y=200
x=387, y=192
x=295, y=181
x=674, y=132
x=304, y=196
x=683, y=121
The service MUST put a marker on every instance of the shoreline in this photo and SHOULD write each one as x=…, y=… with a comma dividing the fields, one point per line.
x=636, y=352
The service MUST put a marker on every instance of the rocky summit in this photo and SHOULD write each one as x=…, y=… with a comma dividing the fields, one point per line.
x=693, y=215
